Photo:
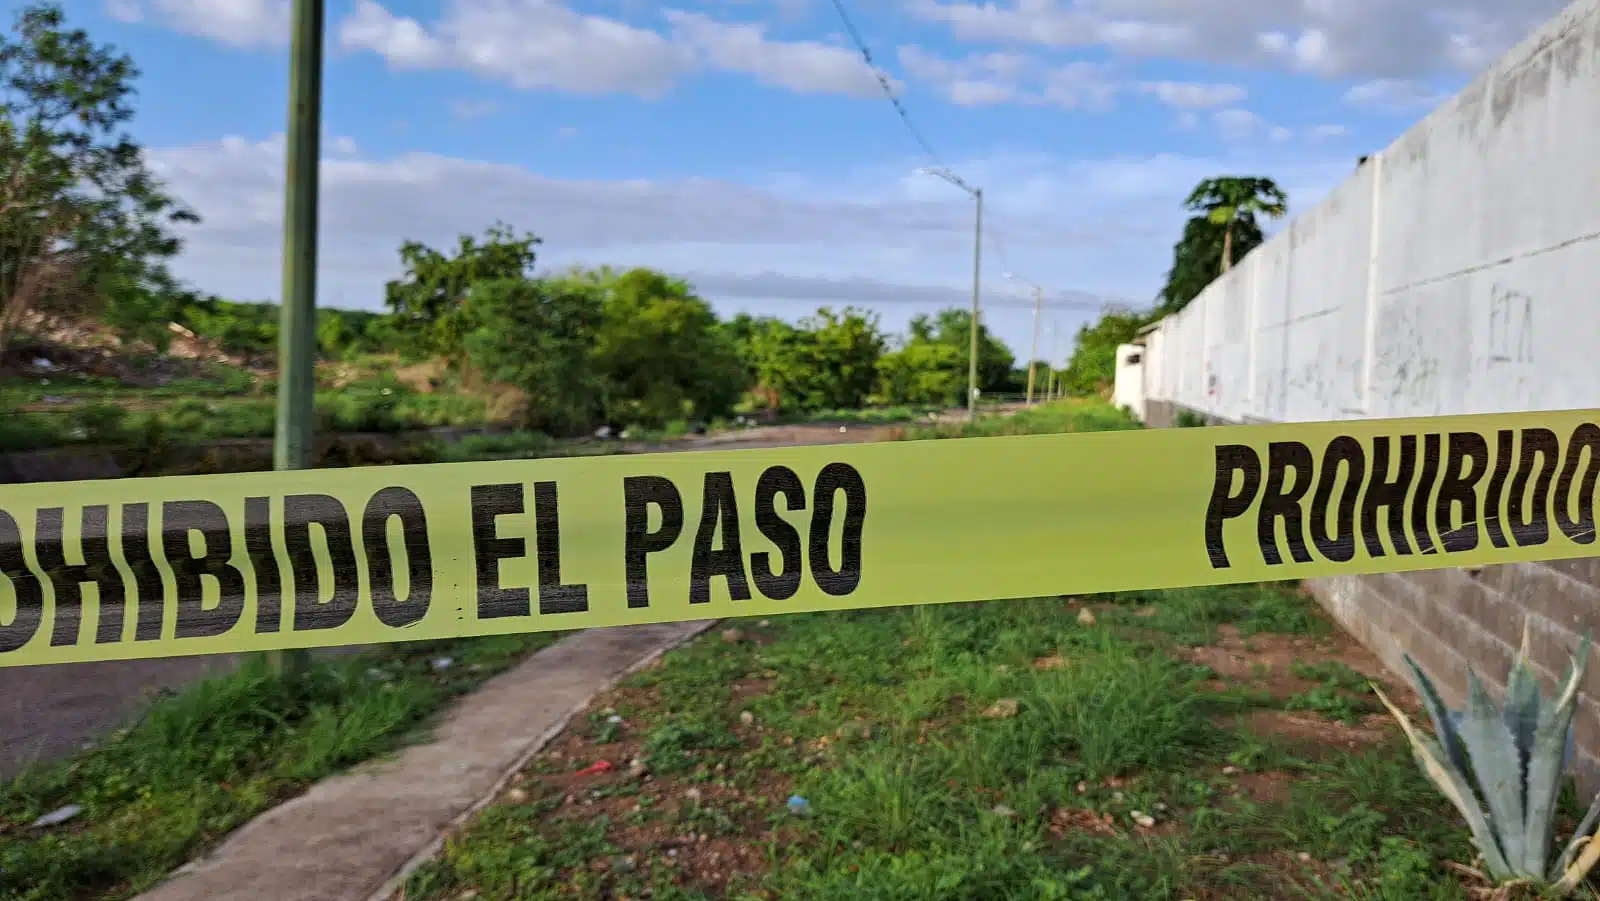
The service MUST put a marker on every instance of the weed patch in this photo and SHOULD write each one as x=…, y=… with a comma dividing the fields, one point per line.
x=1003, y=750
x=204, y=761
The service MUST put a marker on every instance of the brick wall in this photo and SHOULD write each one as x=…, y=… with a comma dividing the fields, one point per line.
x=1449, y=619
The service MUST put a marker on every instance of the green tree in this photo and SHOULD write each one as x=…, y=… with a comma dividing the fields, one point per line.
x=429, y=300
x=828, y=361
x=923, y=372
x=82, y=218
x=931, y=366
x=840, y=354
x=1233, y=201
x=762, y=344
x=661, y=351
x=345, y=333
x=539, y=337
x=1198, y=255
x=243, y=329
x=1093, y=368
x=953, y=327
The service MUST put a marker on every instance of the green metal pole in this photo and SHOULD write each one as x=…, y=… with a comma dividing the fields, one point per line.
x=1055, y=347
x=292, y=447
x=972, y=350
x=1033, y=350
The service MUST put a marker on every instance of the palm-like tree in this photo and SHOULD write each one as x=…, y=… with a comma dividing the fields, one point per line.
x=1230, y=201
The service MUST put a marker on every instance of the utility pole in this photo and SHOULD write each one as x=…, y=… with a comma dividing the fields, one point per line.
x=1033, y=349
x=1054, y=346
x=297, y=325
x=972, y=351
x=977, y=265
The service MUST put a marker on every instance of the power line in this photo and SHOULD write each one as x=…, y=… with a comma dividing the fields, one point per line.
x=883, y=82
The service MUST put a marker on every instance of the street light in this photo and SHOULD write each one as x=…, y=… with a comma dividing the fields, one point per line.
x=977, y=261
x=1055, y=353
x=1033, y=350
x=297, y=315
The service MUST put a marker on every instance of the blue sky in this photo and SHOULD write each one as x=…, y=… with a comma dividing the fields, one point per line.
x=746, y=145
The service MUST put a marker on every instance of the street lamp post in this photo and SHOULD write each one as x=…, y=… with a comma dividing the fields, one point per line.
x=1055, y=348
x=298, y=314
x=1033, y=349
x=977, y=265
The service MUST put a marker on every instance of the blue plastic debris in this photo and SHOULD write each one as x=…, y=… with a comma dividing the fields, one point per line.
x=799, y=806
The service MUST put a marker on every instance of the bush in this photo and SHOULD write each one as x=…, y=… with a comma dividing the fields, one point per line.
x=100, y=423
x=661, y=354
x=1092, y=371
x=539, y=337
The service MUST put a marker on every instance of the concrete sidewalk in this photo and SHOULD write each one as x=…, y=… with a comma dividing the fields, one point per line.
x=354, y=835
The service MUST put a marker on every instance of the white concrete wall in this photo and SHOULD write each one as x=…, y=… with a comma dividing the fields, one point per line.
x=1458, y=271
x=1128, y=389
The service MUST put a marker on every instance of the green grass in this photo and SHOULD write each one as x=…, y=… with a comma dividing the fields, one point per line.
x=882, y=721
x=1046, y=418
x=871, y=415
x=919, y=796
x=213, y=380
x=355, y=409
x=202, y=762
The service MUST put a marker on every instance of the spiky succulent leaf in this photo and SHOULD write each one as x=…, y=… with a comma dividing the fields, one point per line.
x=1452, y=783
x=1590, y=817
x=1495, y=762
x=1579, y=870
x=1523, y=700
x=1455, y=752
x=1543, y=781
x=1548, y=761
x=1524, y=715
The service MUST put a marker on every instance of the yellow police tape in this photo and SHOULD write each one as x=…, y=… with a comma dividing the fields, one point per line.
x=136, y=568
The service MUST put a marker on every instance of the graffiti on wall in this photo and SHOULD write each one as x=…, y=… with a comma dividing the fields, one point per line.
x=1510, y=325
x=1407, y=364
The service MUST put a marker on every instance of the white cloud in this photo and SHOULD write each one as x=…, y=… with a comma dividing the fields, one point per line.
x=467, y=110
x=1393, y=95
x=805, y=67
x=993, y=78
x=567, y=131
x=529, y=44
x=1193, y=95
x=1237, y=124
x=542, y=44
x=239, y=23
x=125, y=10
x=1360, y=38
x=877, y=235
x=978, y=80
x=345, y=146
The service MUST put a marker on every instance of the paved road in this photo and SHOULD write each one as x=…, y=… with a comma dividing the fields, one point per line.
x=50, y=712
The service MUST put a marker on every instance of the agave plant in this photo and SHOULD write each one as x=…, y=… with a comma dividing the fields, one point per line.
x=1502, y=770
